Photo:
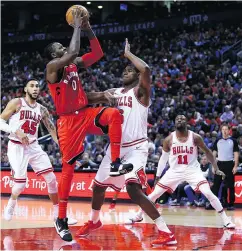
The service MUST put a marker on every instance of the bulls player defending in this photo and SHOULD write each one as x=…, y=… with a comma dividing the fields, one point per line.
x=25, y=115
x=76, y=120
x=134, y=102
x=181, y=149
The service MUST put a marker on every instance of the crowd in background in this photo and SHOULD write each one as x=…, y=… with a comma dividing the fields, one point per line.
x=187, y=76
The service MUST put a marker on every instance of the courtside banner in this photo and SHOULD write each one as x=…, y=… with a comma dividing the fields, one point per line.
x=238, y=189
x=81, y=185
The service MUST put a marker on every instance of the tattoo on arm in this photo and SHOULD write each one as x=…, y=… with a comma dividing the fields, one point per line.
x=46, y=118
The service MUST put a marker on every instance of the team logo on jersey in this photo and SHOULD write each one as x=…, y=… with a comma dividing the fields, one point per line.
x=30, y=115
x=182, y=149
x=70, y=75
x=125, y=101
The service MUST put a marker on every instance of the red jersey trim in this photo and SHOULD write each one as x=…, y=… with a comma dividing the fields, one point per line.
x=189, y=133
x=146, y=106
x=132, y=143
x=32, y=107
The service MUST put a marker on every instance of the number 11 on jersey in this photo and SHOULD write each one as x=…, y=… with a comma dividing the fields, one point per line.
x=182, y=160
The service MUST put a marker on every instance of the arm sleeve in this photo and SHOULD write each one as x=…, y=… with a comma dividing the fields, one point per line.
x=95, y=54
x=162, y=162
x=5, y=127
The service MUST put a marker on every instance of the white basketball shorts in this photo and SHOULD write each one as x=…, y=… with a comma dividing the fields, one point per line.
x=20, y=156
x=172, y=178
x=136, y=155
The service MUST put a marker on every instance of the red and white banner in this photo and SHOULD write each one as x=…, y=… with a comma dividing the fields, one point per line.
x=238, y=189
x=82, y=185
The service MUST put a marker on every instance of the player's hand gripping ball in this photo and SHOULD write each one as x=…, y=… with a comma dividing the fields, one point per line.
x=84, y=14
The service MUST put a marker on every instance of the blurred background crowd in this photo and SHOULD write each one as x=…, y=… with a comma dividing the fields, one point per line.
x=189, y=74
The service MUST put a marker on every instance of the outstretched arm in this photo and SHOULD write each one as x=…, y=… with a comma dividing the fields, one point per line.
x=102, y=97
x=46, y=119
x=96, y=53
x=163, y=159
x=200, y=143
x=143, y=89
x=72, y=52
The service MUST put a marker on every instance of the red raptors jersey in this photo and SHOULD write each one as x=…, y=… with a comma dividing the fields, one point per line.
x=68, y=94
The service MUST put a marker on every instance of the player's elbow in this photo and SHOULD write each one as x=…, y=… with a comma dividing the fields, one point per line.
x=100, y=54
x=147, y=69
x=73, y=54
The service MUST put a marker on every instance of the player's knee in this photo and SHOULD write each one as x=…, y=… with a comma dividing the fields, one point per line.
x=50, y=179
x=98, y=189
x=206, y=191
x=114, y=113
x=18, y=188
x=134, y=190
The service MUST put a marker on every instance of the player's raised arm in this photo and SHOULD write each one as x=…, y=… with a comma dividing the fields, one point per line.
x=200, y=143
x=96, y=53
x=143, y=89
x=10, y=109
x=106, y=97
x=69, y=55
x=46, y=119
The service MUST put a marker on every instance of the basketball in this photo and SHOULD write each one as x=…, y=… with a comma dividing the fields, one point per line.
x=69, y=16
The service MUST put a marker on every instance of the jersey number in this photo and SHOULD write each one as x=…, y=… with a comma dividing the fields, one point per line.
x=73, y=83
x=29, y=127
x=182, y=160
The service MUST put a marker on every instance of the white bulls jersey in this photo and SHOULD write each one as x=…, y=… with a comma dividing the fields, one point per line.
x=27, y=119
x=134, y=127
x=183, y=155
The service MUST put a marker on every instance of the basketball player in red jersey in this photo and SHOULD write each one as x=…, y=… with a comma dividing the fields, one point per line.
x=75, y=119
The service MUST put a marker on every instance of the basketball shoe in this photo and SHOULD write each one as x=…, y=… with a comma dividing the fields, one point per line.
x=61, y=226
x=118, y=169
x=229, y=225
x=88, y=228
x=9, y=210
x=164, y=238
x=134, y=219
x=71, y=221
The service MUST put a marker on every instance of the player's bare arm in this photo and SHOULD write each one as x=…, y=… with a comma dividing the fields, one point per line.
x=106, y=97
x=58, y=63
x=200, y=143
x=13, y=106
x=96, y=51
x=236, y=162
x=144, y=86
x=164, y=158
x=47, y=121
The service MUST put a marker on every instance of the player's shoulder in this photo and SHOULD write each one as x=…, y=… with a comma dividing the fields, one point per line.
x=51, y=62
x=15, y=102
x=195, y=135
x=42, y=107
x=168, y=139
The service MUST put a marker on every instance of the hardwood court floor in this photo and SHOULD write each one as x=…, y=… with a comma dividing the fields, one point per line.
x=195, y=229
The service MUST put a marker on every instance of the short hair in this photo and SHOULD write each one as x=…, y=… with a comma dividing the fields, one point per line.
x=133, y=67
x=31, y=79
x=224, y=124
x=181, y=114
x=49, y=50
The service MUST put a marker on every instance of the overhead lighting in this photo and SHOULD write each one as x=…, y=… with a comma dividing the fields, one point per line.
x=100, y=6
x=88, y=2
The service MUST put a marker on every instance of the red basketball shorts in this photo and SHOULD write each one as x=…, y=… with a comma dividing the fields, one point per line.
x=72, y=130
